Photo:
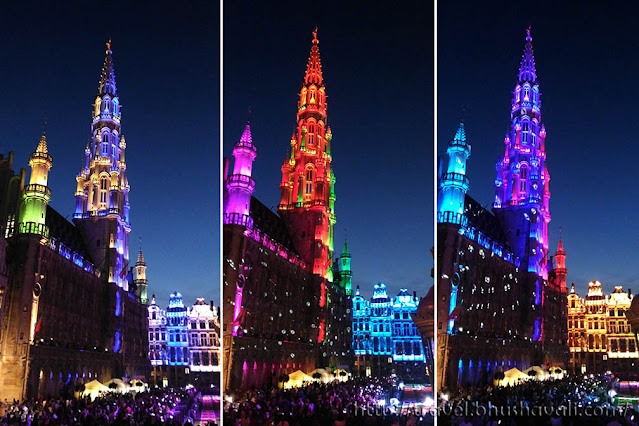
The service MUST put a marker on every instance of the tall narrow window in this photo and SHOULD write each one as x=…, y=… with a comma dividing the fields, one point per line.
x=311, y=134
x=308, y=188
x=105, y=145
x=523, y=179
x=104, y=184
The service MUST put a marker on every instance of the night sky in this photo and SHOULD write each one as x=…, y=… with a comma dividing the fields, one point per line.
x=587, y=65
x=377, y=63
x=166, y=60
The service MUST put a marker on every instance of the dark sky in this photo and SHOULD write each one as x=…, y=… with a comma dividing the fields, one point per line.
x=377, y=62
x=166, y=60
x=587, y=64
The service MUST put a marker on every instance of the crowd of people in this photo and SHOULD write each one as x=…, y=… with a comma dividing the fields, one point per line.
x=572, y=400
x=354, y=402
x=157, y=406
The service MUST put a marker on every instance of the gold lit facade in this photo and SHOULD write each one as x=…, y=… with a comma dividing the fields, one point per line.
x=599, y=335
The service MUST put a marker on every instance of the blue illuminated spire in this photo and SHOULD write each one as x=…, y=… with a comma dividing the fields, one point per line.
x=107, y=79
x=454, y=183
x=527, y=70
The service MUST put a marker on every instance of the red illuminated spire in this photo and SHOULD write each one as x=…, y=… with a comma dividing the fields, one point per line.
x=314, y=67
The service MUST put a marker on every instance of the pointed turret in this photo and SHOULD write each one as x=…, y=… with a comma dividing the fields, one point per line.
x=572, y=288
x=107, y=78
x=454, y=184
x=36, y=195
x=460, y=135
x=42, y=145
x=314, y=67
x=527, y=70
x=246, y=135
x=346, y=275
x=239, y=186
x=560, y=271
x=141, y=283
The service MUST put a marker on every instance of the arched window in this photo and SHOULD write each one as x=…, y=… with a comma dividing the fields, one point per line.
x=312, y=100
x=526, y=93
x=303, y=96
x=104, y=186
x=523, y=179
x=107, y=105
x=116, y=106
x=311, y=134
x=105, y=145
x=525, y=130
x=98, y=103
x=517, y=93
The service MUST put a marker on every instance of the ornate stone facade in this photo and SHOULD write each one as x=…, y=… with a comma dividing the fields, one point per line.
x=599, y=335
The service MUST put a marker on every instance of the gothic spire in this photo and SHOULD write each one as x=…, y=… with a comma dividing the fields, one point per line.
x=560, y=248
x=527, y=70
x=140, y=257
x=314, y=67
x=107, y=79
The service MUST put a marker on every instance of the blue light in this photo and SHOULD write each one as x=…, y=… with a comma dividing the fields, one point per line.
x=117, y=343
x=118, y=303
x=537, y=333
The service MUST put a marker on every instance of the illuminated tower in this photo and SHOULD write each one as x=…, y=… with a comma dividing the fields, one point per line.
x=560, y=269
x=239, y=186
x=102, y=194
x=308, y=183
x=521, y=187
x=454, y=184
x=36, y=195
x=346, y=275
x=140, y=278
x=307, y=180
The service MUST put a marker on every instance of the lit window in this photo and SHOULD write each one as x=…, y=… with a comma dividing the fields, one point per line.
x=308, y=188
x=104, y=184
x=523, y=179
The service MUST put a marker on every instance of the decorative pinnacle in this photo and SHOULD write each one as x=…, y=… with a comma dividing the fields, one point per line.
x=527, y=70
x=42, y=145
x=460, y=135
x=314, y=67
x=107, y=78
x=246, y=136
